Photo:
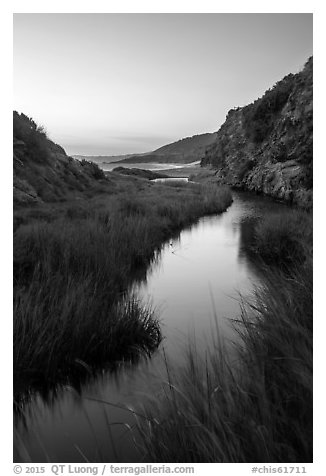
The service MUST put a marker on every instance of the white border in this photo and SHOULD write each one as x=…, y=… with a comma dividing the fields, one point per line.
x=174, y=6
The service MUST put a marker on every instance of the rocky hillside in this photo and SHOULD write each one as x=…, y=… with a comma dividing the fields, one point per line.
x=267, y=145
x=184, y=151
x=42, y=169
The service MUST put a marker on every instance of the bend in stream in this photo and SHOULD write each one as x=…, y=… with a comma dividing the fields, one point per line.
x=196, y=275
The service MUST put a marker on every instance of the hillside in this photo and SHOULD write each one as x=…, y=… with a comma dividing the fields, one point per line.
x=267, y=145
x=184, y=151
x=189, y=147
x=42, y=169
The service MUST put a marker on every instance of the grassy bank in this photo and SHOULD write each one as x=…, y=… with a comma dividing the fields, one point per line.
x=255, y=406
x=73, y=265
x=284, y=240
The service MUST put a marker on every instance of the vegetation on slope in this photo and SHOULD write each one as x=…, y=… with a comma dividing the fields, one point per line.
x=43, y=171
x=267, y=145
x=26, y=130
x=260, y=116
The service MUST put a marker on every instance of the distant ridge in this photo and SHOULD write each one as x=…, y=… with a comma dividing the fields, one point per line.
x=188, y=145
x=183, y=151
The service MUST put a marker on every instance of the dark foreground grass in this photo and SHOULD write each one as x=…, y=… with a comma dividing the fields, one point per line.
x=73, y=265
x=257, y=405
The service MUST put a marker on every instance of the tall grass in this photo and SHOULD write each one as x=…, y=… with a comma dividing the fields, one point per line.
x=72, y=270
x=253, y=404
x=284, y=239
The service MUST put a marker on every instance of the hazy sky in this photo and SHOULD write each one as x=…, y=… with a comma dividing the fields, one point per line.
x=122, y=83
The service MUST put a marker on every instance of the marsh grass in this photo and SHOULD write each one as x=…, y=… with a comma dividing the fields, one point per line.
x=284, y=239
x=73, y=267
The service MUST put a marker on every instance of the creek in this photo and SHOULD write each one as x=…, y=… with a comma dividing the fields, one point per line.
x=197, y=275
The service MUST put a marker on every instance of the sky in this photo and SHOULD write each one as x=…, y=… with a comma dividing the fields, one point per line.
x=108, y=84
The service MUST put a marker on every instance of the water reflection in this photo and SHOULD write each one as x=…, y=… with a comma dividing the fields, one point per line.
x=196, y=274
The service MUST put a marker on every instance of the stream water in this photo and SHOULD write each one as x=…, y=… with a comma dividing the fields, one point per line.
x=197, y=275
